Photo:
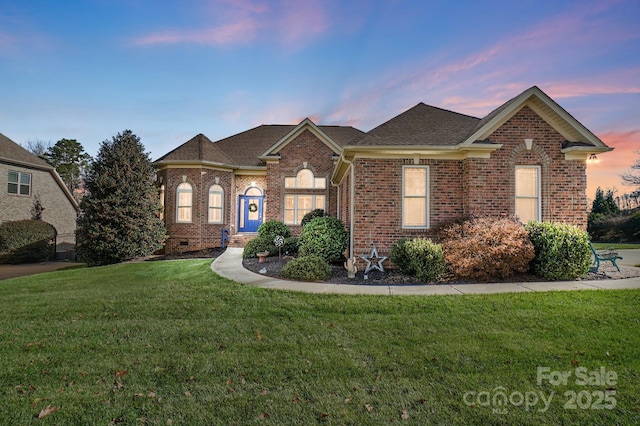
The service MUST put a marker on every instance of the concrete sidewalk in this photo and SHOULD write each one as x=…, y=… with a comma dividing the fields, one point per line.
x=229, y=265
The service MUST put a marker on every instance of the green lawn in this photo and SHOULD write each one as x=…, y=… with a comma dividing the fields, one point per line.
x=171, y=343
x=616, y=246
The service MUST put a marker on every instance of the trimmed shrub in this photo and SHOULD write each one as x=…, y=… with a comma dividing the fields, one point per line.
x=326, y=237
x=312, y=215
x=307, y=268
x=486, y=248
x=258, y=245
x=419, y=257
x=270, y=229
x=400, y=257
x=291, y=246
x=24, y=241
x=562, y=251
x=267, y=233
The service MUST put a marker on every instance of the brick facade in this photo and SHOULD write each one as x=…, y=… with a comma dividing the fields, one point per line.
x=318, y=157
x=467, y=187
x=468, y=175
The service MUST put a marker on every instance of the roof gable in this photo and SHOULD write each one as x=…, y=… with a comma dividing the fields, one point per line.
x=563, y=122
x=304, y=125
x=12, y=152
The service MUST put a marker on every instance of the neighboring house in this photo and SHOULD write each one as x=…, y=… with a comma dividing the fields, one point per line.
x=426, y=166
x=26, y=180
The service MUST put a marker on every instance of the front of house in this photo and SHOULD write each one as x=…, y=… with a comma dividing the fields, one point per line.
x=425, y=166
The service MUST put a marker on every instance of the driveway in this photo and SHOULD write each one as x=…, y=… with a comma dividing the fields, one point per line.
x=13, y=271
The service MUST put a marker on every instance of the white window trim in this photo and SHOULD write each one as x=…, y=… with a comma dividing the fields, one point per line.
x=19, y=184
x=538, y=190
x=427, y=197
x=221, y=208
x=314, y=180
x=162, y=195
x=295, y=206
x=178, y=191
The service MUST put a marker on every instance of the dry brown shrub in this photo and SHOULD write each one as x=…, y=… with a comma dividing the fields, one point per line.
x=486, y=248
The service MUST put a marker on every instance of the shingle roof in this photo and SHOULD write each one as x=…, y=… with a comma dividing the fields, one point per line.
x=420, y=125
x=243, y=149
x=9, y=150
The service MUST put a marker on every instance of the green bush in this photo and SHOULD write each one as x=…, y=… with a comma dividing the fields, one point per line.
x=24, y=241
x=270, y=229
x=307, y=268
x=291, y=246
x=326, y=237
x=419, y=257
x=486, y=248
x=312, y=215
x=401, y=257
x=562, y=251
x=258, y=245
x=267, y=233
x=621, y=227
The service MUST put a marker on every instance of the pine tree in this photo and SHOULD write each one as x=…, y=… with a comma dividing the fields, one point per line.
x=120, y=215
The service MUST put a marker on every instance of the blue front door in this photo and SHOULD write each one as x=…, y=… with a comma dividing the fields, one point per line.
x=250, y=213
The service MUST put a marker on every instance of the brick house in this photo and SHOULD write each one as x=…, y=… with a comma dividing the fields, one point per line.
x=526, y=158
x=26, y=179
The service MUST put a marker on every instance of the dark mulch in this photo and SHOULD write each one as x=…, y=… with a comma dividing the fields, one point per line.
x=272, y=266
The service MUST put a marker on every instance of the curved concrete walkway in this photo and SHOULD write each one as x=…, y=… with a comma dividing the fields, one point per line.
x=229, y=265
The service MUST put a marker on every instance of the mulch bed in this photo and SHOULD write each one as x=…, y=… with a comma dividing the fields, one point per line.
x=272, y=266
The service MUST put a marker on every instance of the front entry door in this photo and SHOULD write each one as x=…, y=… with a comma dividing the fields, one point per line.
x=250, y=213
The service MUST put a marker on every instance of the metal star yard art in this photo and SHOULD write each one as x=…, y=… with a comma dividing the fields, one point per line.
x=374, y=261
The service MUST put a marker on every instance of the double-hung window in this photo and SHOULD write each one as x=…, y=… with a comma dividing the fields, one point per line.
x=528, y=193
x=415, y=197
x=184, y=198
x=19, y=183
x=216, y=198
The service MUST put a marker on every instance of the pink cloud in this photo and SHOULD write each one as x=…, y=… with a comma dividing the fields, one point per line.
x=288, y=21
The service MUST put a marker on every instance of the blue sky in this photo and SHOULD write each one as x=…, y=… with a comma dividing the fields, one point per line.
x=169, y=70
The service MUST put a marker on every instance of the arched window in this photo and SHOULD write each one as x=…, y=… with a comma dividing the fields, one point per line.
x=305, y=179
x=162, y=202
x=297, y=204
x=184, y=196
x=216, y=203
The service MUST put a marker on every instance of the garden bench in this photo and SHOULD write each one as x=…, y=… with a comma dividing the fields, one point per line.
x=610, y=256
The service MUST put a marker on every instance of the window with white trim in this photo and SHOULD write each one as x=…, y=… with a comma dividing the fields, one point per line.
x=415, y=197
x=162, y=202
x=19, y=183
x=527, y=194
x=297, y=205
x=184, y=197
x=216, y=202
x=305, y=179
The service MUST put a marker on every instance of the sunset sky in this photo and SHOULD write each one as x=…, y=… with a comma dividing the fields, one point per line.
x=169, y=70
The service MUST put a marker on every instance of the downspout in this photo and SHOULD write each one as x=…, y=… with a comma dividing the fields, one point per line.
x=352, y=177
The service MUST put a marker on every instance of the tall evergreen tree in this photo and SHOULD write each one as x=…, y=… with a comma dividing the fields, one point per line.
x=70, y=161
x=120, y=217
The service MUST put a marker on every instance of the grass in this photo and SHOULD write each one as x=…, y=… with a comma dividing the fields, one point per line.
x=616, y=246
x=170, y=342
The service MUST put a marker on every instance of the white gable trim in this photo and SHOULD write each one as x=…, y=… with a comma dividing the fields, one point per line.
x=306, y=124
x=570, y=128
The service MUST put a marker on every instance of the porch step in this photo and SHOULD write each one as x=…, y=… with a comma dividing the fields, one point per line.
x=239, y=240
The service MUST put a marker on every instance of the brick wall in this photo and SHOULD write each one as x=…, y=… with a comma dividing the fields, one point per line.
x=199, y=233
x=319, y=158
x=471, y=186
